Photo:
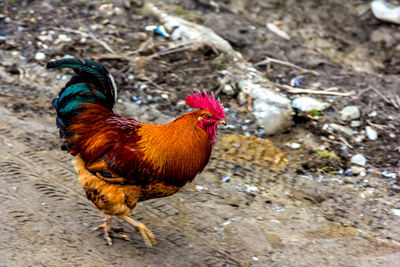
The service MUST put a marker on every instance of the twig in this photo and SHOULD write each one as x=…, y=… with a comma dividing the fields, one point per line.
x=88, y=34
x=295, y=90
x=171, y=50
x=141, y=48
x=394, y=99
x=342, y=140
x=114, y=56
x=378, y=126
x=362, y=92
x=286, y=63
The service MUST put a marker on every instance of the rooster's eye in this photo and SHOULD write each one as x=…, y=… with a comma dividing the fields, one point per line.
x=208, y=116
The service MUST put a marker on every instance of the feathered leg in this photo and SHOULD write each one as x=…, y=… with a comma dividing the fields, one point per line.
x=147, y=235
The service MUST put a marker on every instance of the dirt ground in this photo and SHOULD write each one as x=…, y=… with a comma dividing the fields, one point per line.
x=245, y=209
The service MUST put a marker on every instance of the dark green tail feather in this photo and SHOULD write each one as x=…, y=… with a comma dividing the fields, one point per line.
x=91, y=84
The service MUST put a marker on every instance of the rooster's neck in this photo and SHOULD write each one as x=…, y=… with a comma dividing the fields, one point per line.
x=178, y=151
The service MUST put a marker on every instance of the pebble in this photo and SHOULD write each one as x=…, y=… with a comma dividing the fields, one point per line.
x=242, y=98
x=371, y=133
x=275, y=221
x=40, y=56
x=251, y=188
x=359, y=159
x=225, y=179
x=228, y=89
x=372, y=114
x=200, y=188
x=306, y=103
x=350, y=113
x=293, y=145
x=392, y=175
x=358, y=170
x=396, y=212
x=64, y=38
x=359, y=139
x=385, y=11
x=355, y=124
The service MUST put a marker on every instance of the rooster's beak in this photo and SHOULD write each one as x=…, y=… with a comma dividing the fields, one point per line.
x=222, y=122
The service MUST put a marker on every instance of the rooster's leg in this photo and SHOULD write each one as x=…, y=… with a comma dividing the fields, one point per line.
x=108, y=230
x=106, y=225
x=147, y=235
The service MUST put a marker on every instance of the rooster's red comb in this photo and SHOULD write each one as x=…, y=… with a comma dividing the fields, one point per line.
x=206, y=103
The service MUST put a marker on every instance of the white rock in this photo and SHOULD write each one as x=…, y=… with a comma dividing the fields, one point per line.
x=271, y=109
x=355, y=124
x=40, y=56
x=358, y=170
x=306, y=103
x=64, y=38
x=44, y=38
x=359, y=138
x=396, y=212
x=385, y=11
x=242, y=98
x=293, y=145
x=227, y=89
x=373, y=114
x=350, y=113
x=358, y=159
x=200, y=188
x=371, y=133
x=392, y=175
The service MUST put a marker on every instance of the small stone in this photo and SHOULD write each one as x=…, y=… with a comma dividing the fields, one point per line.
x=200, y=188
x=350, y=113
x=164, y=96
x=371, y=133
x=251, y=188
x=355, y=124
x=359, y=139
x=40, y=56
x=228, y=90
x=358, y=170
x=242, y=98
x=372, y=114
x=275, y=221
x=225, y=179
x=64, y=38
x=306, y=103
x=293, y=145
x=396, y=212
x=359, y=159
x=392, y=175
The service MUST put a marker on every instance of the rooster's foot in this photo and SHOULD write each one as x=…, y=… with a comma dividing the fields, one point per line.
x=147, y=235
x=106, y=226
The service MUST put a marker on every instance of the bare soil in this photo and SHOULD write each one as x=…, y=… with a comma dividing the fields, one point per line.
x=258, y=203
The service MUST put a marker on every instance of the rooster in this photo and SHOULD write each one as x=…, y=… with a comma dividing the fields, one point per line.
x=121, y=161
